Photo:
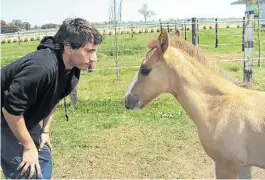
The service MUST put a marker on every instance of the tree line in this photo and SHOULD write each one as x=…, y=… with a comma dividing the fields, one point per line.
x=18, y=25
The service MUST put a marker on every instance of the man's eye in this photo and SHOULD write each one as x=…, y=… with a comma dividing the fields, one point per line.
x=145, y=71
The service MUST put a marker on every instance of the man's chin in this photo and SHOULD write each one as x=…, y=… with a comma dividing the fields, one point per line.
x=83, y=68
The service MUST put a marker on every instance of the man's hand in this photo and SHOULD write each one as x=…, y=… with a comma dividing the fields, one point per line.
x=30, y=160
x=30, y=157
x=45, y=139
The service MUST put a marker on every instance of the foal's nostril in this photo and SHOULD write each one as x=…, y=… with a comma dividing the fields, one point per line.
x=127, y=107
x=131, y=101
x=126, y=103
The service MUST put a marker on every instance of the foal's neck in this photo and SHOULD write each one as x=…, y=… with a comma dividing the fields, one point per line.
x=196, y=86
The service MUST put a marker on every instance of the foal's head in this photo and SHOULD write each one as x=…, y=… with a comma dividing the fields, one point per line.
x=152, y=78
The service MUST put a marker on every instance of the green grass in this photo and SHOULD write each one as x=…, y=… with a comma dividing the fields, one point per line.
x=104, y=140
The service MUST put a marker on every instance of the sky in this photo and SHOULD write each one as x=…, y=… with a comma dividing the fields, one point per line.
x=39, y=12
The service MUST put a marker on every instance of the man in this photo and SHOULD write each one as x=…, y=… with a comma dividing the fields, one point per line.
x=31, y=88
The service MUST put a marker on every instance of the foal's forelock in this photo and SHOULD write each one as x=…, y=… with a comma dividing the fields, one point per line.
x=153, y=44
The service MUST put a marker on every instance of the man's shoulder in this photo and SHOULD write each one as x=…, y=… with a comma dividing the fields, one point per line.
x=43, y=58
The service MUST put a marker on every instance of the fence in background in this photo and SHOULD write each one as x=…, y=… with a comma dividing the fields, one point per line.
x=194, y=25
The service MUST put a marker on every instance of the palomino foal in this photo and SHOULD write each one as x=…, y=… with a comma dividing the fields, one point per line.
x=230, y=119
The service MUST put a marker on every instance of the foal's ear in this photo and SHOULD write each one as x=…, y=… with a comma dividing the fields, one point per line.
x=164, y=40
x=177, y=33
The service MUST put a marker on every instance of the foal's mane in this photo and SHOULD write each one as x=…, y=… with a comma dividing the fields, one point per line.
x=195, y=52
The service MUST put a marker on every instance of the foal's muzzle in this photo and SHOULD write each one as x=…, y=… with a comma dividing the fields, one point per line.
x=132, y=101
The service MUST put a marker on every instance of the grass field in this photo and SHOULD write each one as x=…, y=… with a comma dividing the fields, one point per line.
x=104, y=140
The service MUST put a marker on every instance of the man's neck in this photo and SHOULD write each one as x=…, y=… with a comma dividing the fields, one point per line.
x=67, y=62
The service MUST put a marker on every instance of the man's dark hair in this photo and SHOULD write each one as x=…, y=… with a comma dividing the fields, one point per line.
x=76, y=33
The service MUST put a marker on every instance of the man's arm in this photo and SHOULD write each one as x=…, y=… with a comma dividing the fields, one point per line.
x=23, y=92
x=18, y=127
x=30, y=153
x=47, y=121
x=45, y=138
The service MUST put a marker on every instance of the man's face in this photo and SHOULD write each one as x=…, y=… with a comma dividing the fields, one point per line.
x=85, y=56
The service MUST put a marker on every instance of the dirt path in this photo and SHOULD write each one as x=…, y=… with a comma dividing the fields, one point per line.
x=139, y=151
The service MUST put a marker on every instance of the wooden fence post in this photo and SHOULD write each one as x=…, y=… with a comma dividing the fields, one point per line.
x=248, y=46
x=73, y=97
x=259, y=43
x=198, y=32
x=243, y=33
x=216, y=33
x=175, y=26
x=18, y=38
x=194, y=31
x=185, y=30
x=131, y=30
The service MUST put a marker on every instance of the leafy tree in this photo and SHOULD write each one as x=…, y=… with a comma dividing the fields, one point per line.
x=3, y=23
x=36, y=27
x=9, y=28
x=146, y=12
x=49, y=26
x=17, y=23
x=26, y=26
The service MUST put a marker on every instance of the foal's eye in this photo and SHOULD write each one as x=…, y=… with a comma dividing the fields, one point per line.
x=145, y=71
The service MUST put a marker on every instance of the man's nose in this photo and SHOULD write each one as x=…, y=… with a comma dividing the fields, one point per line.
x=94, y=58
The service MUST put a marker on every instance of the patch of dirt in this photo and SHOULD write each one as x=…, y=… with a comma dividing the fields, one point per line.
x=139, y=151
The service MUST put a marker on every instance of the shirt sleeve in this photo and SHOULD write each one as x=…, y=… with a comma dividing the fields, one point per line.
x=25, y=89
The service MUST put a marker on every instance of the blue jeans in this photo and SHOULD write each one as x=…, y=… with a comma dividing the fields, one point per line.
x=12, y=153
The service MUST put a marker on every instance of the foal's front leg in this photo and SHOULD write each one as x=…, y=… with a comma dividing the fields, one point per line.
x=245, y=173
x=227, y=170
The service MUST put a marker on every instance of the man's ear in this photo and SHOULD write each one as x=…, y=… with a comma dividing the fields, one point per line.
x=164, y=40
x=68, y=49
